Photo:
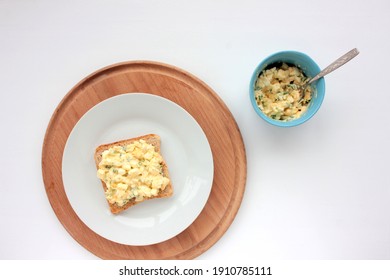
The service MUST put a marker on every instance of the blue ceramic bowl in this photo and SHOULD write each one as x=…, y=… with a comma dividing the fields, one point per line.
x=309, y=68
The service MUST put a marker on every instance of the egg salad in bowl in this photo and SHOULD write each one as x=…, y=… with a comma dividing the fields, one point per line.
x=278, y=95
x=278, y=90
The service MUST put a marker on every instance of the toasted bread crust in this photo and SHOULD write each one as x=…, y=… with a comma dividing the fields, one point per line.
x=152, y=139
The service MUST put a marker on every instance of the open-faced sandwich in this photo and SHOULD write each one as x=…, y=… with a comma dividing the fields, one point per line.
x=132, y=171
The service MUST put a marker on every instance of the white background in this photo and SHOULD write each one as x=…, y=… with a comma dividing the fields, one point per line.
x=317, y=191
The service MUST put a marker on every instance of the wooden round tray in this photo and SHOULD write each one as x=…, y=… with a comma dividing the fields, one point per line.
x=197, y=99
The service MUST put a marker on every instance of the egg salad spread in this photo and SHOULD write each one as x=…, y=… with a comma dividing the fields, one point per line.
x=277, y=92
x=133, y=171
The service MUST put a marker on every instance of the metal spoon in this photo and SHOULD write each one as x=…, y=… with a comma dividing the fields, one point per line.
x=339, y=62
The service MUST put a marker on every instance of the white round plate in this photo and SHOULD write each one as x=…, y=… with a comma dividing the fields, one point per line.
x=184, y=147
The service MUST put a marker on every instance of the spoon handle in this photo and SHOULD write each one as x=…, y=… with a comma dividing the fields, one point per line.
x=339, y=62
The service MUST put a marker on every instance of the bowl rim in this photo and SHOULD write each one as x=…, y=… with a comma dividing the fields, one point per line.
x=262, y=65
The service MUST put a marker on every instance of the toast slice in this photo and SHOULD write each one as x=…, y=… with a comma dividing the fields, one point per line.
x=163, y=191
